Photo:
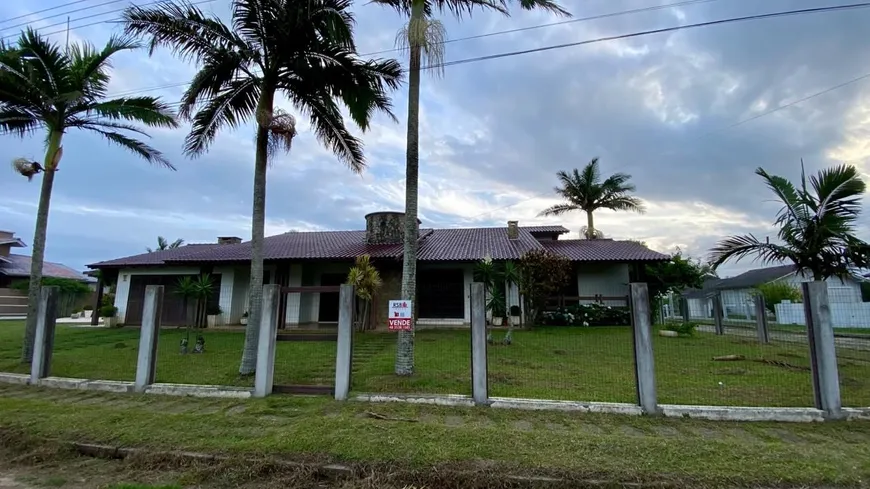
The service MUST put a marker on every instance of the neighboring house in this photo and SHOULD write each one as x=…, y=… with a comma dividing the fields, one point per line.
x=17, y=267
x=737, y=292
x=446, y=260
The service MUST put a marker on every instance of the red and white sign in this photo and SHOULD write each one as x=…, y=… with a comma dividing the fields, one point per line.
x=400, y=316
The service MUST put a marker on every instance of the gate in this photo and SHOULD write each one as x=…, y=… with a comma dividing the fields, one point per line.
x=305, y=352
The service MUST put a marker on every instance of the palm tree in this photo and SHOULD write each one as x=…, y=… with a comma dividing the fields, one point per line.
x=816, y=226
x=584, y=191
x=366, y=281
x=423, y=38
x=162, y=244
x=43, y=87
x=302, y=50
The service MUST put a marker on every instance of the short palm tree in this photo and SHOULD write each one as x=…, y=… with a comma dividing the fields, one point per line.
x=162, y=244
x=46, y=88
x=584, y=191
x=302, y=50
x=816, y=226
x=366, y=281
x=423, y=38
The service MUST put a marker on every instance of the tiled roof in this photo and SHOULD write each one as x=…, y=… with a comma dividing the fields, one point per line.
x=19, y=266
x=546, y=229
x=755, y=277
x=602, y=250
x=12, y=242
x=459, y=244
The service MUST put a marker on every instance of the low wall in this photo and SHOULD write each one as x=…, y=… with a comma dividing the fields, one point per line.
x=843, y=314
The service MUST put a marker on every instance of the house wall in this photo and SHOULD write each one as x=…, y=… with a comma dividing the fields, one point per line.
x=848, y=290
x=843, y=314
x=225, y=300
x=604, y=279
x=122, y=289
x=699, y=308
x=241, y=282
x=739, y=302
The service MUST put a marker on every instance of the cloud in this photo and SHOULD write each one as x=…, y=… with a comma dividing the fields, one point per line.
x=494, y=133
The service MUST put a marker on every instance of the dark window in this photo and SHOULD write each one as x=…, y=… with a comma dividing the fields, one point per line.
x=440, y=294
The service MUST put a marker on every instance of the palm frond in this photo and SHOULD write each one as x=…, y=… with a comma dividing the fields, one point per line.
x=222, y=68
x=739, y=247
x=150, y=154
x=558, y=210
x=546, y=5
x=431, y=35
x=839, y=191
x=19, y=122
x=458, y=8
x=281, y=132
x=48, y=59
x=150, y=111
x=88, y=67
x=234, y=105
x=329, y=128
x=621, y=202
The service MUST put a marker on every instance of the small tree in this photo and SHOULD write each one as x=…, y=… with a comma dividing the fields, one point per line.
x=776, y=292
x=542, y=274
x=511, y=274
x=366, y=281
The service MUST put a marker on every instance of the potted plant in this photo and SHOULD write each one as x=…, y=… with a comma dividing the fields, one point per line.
x=108, y=313
x=244, y=319
x=87, y=311
x=76, y=313
x=212, y=312
x=496, y=305
x=515, y=315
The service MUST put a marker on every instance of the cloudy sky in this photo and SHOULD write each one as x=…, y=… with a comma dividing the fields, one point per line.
x=663, y=108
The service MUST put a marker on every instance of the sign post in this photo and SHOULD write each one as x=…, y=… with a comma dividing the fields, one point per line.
x=401, y=316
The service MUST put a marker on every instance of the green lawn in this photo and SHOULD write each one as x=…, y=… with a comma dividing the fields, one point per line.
x=582, y=364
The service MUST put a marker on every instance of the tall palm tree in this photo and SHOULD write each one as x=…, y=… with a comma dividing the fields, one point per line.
x=423, y=38
x=45, y=88
x=162, y=244
x=584, y=191
x=816, y=226
x=302, y=50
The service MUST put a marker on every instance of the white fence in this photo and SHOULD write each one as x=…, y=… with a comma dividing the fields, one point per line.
x=843, y=314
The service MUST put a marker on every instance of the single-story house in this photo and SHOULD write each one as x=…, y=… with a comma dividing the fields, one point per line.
x=737, y=292
x=446, y=260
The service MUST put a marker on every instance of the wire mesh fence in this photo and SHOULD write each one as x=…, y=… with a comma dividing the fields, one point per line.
x=11, y=339
x=580, y=349
x=200, y=356
x=306, y=341
x=95, y=353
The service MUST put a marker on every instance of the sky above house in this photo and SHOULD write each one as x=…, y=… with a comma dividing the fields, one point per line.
x=686, y=113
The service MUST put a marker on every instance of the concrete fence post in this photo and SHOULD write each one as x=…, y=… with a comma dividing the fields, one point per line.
x=823, y=352
x=146, y=365
x=718, y=313
x=761, y=319
x=43, y=341
x=344, y=343
x=478, y=345
x=265, y=373
x=643, y=349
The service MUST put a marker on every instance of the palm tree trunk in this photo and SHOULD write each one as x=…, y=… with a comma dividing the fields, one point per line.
x=590, y=225
x=258, y=224
x=405, y=347
x=38, y=254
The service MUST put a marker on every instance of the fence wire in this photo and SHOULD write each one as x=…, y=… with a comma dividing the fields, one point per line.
x=95, y=353
x=580, y=349
x=201, y=356
x=305, y=351
x=11, y=341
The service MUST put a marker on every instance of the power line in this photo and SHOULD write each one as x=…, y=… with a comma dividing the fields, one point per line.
x=650, y=32
x=97, y=22
x=43, y=10
x=66, y=13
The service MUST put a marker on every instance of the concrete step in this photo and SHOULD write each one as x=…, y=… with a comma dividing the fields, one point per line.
x=13, y=292
x=12, y=300
x=13, y=310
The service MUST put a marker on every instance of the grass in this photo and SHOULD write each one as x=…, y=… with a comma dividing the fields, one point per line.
x=437, y=442
x=581, y=364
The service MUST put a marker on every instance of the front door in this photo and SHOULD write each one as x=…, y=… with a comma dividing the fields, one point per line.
x=328, y=309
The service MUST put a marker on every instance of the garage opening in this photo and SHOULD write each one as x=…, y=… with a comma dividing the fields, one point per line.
x=440, y=294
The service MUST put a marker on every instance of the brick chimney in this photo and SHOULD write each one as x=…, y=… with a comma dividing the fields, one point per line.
x=228, y=240
x=513, y=230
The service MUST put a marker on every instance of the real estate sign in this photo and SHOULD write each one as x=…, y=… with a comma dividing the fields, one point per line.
x=400, y=315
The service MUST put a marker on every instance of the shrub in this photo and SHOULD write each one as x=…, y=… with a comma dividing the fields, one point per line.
x=682, y=328
x=213, y=310
x=776, y=292
x=88, y=308
x=588, y=315
x=108, y=311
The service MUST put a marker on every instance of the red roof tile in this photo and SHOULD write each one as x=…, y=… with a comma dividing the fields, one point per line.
x=460, y=244
x=19, y=266
x=602, y=250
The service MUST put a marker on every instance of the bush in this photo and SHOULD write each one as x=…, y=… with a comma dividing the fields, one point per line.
x=681, y=328
x=88, y=308
x=108, y=311
x=65, y=285
x=588, y=315
x=776, y=292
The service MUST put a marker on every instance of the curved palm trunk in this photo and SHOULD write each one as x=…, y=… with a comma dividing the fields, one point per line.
x=258, y=224
x=38, y=255
x=590, y=225
x=405, y=347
